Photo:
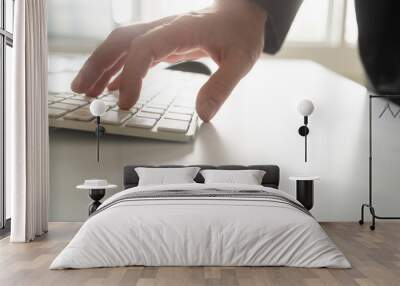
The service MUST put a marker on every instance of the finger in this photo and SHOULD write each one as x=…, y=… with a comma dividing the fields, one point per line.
x=104, y=79
x=116, y=82
x=219, y=86
x=117, y=42
x=195, y=54
x=144, y=51
x=101, y=59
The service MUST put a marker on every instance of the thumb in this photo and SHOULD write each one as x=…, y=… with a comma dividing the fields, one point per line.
x=220, y=85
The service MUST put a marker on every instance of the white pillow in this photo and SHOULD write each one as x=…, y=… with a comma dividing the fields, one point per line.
x=164, y=176
x=248, y=177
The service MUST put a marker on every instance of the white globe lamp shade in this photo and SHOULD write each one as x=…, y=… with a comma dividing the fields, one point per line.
x=97, y=107
x=305, y=107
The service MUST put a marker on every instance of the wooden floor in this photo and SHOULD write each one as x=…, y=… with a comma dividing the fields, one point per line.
x=375, y=257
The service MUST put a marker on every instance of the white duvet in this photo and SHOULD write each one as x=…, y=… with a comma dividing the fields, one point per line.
x=200, y=231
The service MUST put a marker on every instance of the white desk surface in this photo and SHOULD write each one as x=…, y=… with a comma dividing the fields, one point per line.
x=257, y=125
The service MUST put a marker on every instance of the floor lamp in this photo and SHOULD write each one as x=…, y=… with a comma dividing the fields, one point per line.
x=369, y=205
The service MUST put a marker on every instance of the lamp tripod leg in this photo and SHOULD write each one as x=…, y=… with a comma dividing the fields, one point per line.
x=305, y=148
x=372, y=211
x=361, y=221
x=99, y=131
x=98, y=146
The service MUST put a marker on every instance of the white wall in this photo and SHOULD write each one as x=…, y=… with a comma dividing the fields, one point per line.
x=257, y=125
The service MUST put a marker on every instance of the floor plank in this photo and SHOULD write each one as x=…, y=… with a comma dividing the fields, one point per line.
x=375, y=257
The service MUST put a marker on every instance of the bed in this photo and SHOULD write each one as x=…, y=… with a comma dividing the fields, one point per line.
x=201, y=224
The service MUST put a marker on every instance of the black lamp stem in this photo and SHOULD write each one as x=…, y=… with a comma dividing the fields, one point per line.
x=98, y=137
x=303, y=131
x=305, y=148
x=305, y=139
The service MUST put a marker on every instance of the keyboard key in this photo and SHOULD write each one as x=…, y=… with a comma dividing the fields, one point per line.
x=141, y=122
x=75, y=101
x=181, y=110
x=153, y=110
x=54, y=98
x=110, y=98
x=148, y=115
x=178, y=116
x=86, y=108
x=62, y=94
x=138, y=105
x=54, y=113
x=80, y=115
x=133, y=110
x=83, y=98
x=163, y=99
x=115, y=117
x=173, y=125
x=157, y=106
x=110, y=104
x=143, y=101
x=66, y=106
x=186, y=104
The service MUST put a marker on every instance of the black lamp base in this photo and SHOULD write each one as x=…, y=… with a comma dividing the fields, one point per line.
x=96, y=195
x=305, y=193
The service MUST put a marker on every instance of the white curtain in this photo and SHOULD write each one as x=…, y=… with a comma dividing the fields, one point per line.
x=27, y=124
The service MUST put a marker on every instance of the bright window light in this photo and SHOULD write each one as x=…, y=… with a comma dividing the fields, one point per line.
x=311, y=22
x=351, y=29
x=82, y=20
x=154, y=9
x=318, y=22
x=122, y=11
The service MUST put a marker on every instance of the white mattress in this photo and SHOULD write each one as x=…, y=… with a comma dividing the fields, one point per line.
x=200, y=231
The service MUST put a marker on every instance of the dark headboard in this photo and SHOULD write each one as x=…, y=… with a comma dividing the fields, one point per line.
x=270, y=179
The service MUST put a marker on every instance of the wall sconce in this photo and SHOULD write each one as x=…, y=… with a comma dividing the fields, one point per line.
x=98, y=108
x=305, y=108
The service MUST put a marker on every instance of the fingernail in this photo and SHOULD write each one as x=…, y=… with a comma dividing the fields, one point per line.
x=76, y=84
x=207, y=110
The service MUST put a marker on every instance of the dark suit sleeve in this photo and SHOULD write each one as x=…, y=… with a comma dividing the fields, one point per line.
x=379, y=43
x=280, y=15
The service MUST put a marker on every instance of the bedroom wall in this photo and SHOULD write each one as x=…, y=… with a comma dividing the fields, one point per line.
x=257, y=125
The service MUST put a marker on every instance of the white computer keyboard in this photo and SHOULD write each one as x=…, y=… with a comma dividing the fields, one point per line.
x=164, y=111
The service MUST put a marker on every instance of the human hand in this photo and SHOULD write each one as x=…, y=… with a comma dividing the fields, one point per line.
x=231, y=32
